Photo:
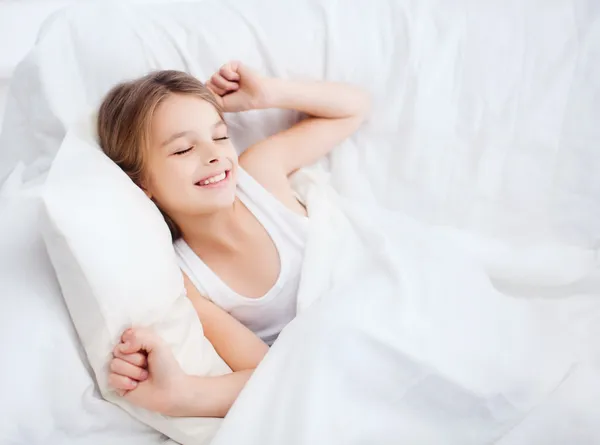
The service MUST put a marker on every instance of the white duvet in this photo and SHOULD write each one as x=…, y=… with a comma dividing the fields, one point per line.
x=402, y=338
x=484, y=136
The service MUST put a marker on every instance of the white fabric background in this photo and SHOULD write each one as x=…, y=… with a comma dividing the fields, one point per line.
x=20, y=22
x=485, y=119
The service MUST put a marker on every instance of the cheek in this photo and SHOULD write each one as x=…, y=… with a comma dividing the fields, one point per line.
x=166, y=182
x=231, y=153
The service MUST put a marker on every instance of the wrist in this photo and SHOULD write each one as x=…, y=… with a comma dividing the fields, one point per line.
x=186, y=396
x=273, y=90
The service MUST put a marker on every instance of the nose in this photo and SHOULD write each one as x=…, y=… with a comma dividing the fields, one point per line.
x=211, y=156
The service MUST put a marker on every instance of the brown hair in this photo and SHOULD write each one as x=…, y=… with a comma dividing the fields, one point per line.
x=125, y=117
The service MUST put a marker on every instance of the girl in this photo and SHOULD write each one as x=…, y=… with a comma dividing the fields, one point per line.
x=237, y=227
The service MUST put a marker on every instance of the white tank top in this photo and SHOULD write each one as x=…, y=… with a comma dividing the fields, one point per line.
x=266, y=316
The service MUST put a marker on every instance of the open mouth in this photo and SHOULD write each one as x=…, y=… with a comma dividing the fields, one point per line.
x=214, y=181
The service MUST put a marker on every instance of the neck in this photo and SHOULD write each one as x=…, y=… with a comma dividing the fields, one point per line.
x=220, y=229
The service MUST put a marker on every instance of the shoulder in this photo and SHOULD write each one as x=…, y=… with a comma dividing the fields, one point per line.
x=271, y=177
x=203, y=305
x=267, y=173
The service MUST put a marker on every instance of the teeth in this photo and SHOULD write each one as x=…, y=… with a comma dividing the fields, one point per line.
x=217, y=178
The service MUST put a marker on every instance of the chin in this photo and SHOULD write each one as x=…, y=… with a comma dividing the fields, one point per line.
x=225, y=202
x=220, y=201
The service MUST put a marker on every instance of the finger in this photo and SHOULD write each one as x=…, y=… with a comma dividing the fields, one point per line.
x=215, y=89
x=220, y=82
x=120, y=382
x=121, y=367
x=245, y=70
x=126, y=348
x=235, y=65
x=228, y=72
x=223, y=83
x=141, y=339
x=136, y=359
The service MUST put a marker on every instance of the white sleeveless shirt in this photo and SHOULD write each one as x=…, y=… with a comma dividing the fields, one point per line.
x=266, y=316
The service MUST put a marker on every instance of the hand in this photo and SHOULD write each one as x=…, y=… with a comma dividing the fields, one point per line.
x=127, y=370
x=146, y=373
x=238, y=88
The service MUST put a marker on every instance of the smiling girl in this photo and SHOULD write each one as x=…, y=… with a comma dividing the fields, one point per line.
x=238, y=228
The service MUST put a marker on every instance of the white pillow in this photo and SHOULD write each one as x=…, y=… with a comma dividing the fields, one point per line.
x=116, y=266
x=49, y=395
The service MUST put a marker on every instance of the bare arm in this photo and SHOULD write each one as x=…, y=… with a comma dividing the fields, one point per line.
x=235, y=343
x=209, y=396
x=239, y=347
x=145, y=371
x=335, y=111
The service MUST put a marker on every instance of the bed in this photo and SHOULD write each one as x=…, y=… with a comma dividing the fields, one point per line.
x=485, y=122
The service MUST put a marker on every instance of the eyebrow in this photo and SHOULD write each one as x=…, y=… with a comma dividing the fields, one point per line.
x=180, y=134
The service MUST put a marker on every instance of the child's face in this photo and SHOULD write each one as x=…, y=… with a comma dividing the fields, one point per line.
x=192, y=166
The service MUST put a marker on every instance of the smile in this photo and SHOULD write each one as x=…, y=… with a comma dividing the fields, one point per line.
x=214, y=180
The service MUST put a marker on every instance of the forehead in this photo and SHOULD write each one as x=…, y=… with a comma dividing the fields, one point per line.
x=182, y=112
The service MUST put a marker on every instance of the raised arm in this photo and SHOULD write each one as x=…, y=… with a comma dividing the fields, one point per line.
x=335, y=110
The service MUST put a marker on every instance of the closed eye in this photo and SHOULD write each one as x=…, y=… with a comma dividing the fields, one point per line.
x=221, y=139
x=181, y=152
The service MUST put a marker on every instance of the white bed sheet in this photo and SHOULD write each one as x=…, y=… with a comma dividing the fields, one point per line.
x=485, y=117
x=402, y=338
